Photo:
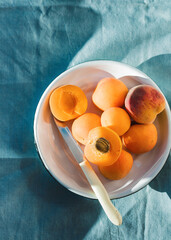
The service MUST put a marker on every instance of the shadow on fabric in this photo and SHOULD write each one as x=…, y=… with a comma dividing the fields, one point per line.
x=158, y=68
x=69, y=212
x=162, y=182
x=38, y=50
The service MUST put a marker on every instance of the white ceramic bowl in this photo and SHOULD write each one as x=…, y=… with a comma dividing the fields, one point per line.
x=56, y=155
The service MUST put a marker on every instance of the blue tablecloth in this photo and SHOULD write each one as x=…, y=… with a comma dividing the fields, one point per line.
x=39, y=39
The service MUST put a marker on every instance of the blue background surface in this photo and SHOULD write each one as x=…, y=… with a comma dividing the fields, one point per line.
x=38, y=41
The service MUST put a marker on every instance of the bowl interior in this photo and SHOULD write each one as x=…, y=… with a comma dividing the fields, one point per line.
x=55, y=153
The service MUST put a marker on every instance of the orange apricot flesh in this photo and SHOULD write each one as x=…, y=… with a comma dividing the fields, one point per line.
x=118, y=169
x=82, y=126
x=110, y=92
x=117, y=119
x=140, y=138
x=103, y=146
x=67, y=102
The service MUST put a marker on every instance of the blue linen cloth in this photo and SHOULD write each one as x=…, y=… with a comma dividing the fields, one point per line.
x=38, y=41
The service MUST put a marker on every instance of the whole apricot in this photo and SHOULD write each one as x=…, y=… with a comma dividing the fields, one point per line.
x=103, y=146
x=143, y=103
x=83, y=124
x=140, y=138
x=110, y=92
x=118, y=169
x=117, y=119
x=67, y=102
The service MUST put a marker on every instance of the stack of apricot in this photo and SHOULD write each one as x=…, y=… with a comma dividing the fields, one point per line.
x=124, y=127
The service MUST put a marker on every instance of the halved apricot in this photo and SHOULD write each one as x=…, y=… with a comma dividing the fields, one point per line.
x=67, y=102
x=110, y=92
x=117, y=119
x=103, y=146
x=118, y=169
x=83, y=124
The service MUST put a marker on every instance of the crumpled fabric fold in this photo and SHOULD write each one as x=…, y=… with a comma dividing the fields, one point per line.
x=38, y=41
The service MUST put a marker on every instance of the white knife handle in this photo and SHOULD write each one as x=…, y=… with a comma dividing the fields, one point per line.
x=101, y=193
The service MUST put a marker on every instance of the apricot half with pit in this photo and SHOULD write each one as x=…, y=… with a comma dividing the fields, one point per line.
x=67, y=102
x=103, y=146
x=144, y=103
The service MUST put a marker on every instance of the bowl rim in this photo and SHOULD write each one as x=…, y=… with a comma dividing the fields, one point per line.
x=88, y=64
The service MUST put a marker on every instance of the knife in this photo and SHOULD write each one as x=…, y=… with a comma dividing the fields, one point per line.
x=95, y=183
